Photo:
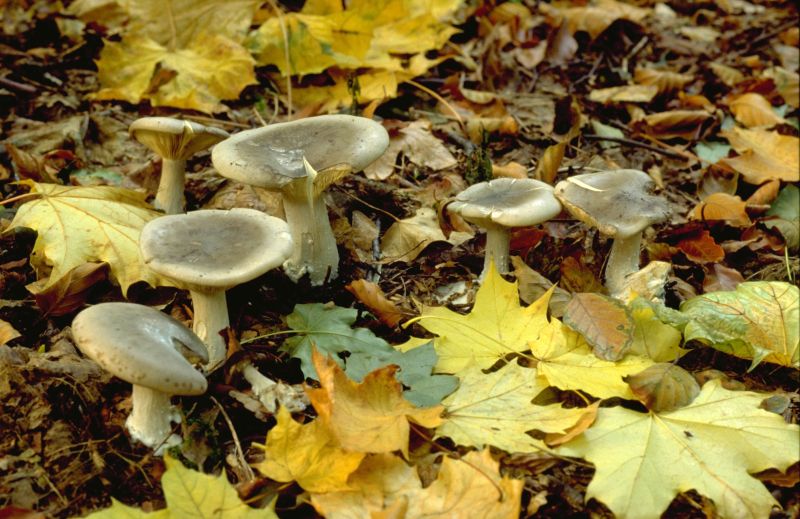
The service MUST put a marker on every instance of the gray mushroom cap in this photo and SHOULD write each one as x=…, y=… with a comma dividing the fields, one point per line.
x=214, y=249
x=509, y=202
x=618, y=202
x=175, y=139
x=272, y=157
x=142, y=346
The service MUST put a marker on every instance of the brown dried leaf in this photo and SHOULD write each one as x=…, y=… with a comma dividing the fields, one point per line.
x=605, y=322
x=722, y=206
x=624, y=94
x=664, y=387
x=70, y=292
x=664, y=80
x=753, y=109
x=596, y=17
x=510, y=170
x=419, y=146
x=765, y=194
x=584, y=422
x=371, y=295
x=547, y=168
x=787, y=84
x=763, y=155
x=702, y=248
x=721, y=278
x=728, y=75
x=7, y=332
x=533, y=285
x=577, y=277
x=686, y=124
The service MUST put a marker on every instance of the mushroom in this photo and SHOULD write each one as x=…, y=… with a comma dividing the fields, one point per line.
x=620, y=205
x=209, y=251
x=499, y=205
x=149, y=349
x=301, y=159
x=174, y=141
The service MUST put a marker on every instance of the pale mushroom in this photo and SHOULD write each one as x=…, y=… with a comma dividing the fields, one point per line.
x=149, y=349
x=209, y=251
x=301, y=159
x=174, y=141
x=501, y=204
x=620, y=205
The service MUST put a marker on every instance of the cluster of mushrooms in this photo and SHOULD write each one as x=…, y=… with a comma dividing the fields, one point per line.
x=210, y=251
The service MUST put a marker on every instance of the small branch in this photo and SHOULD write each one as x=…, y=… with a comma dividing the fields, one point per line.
x=15, y=85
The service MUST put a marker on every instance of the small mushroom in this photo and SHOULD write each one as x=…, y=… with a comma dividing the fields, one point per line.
x=149, y=349
x=301, y=159
x=499, y=205
x=620, y=204
x=209, y=251
x=174, y=141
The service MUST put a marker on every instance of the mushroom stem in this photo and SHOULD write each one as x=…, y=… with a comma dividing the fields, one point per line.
x=623, y=260
x=169, y=197
x=150, y=421
x=315, y=249
x=210, y=318
x=498, y=241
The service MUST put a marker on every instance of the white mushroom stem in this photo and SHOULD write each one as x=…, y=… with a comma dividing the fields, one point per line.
x=258, y=382
x=210, y=318
x=623, y=260
x=150, y=421
x=315, y=249
x=498, y=242
x=169, y=197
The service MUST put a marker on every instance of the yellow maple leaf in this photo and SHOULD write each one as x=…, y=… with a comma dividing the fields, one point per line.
x=196, y=77
x=384, y=486
x=308, y=454
x=643, y=460
x=77, y=225
x=496, y=326
x=495, y=409
x=191, y=494
x=763, y=155
x=371, y=416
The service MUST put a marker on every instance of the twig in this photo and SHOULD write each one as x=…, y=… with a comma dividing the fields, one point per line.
x=438, y=98
x=15, y=85
x=636, y=144
x=237, y=446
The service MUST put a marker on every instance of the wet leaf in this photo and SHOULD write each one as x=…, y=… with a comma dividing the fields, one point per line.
x=605, y=322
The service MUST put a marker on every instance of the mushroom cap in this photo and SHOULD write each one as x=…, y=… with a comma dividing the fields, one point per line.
x=272, y=156
x=175, y=139
x=142, y=346
x=618, y=202
x=508, y=202
x=213, y=249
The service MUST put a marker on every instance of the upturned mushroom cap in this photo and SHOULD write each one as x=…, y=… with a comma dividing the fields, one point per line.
x=509, y=202
x=272, y=157
x=213, y=249
x=175, y=139
x=142, y=346
x=618, y=202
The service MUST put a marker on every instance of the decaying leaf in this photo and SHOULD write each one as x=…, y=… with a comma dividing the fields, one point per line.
x=70, y=292
x=760, y=320
x=605, y=322
x=701, y=248
x=77, y=225
x=653, y=338
x=643, y=460
x=371, y=295
x=419, y=145
x=407, y=238
x=664, y=387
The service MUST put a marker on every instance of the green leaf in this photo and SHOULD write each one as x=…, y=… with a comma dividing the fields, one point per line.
x=329, y=329
x=416, y=365
x=759, y=320
x=787, y=208
x=191, y=494
x=711, y=152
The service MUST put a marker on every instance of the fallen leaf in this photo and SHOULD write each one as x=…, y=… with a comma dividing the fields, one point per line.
x=701, y=248
x=407, y=238
x=191, y=494
x=597, y=16
x=510, y=170
x=664, y=387
x=547, y=167
x=419, y=145
x=7, y=332
x=576, y=276
x=371, y=295
x=624, y=94
x=643, y=460
x=685, y=124
x=763, y=155
x=765, y=194
x=533, y=285
x=721, y=278
x=753, y=109
x=722, y=206
x=585, y=421
x=605, y=322
x=97, y=224
x=70, y=292
x=495, y=409
x=759, y=321
x=371, y=416
x=306, y=453
x=728, y=75
x=653, y=338
x=787, y=83
x=664, y=80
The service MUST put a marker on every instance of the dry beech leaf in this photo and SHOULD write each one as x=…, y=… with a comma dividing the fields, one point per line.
x=763, y=155
x=7, y=332
x=419, y=145
x=787, y=84
x=753, y=109
x=547, y=168
x=765, y=194
x=533, y=285
x=597, y=16
x=664, y=80
x=576, y=276
x=702, y=248
x=407, y=238
x=722, y=206
x=371, y=295
x=728, y=75
x=70, y=292
x=624, y=94
x=664, y=387
x=605, y=322
x=510, y=170
x=721, y=278
x=686, y=124
x=476, y=126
